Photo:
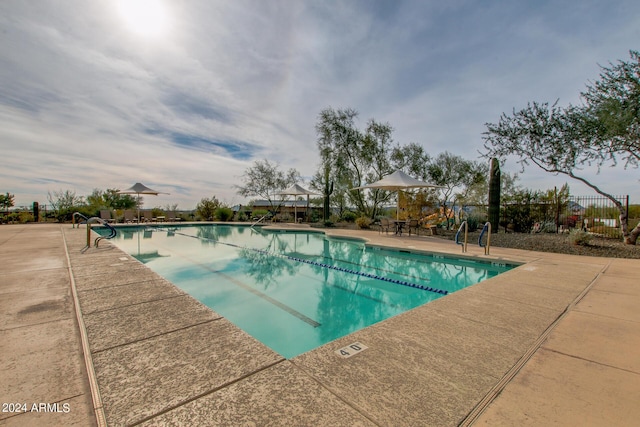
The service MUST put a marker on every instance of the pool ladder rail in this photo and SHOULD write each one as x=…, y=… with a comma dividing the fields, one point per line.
x=466, y=236
x=486, y=228
x=89, y=221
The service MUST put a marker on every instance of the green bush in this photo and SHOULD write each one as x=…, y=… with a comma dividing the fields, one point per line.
x=259, y=213
x=349, y=216
x=579, y=237
x=66, y=214
x=475, y=222
x=223, y=214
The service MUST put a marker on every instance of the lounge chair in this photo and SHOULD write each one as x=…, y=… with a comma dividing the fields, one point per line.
x=106, y=216
x=171, y=216
x=147, y=216
x=130, y=216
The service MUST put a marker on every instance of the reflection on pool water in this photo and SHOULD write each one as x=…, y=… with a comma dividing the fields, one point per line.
x=295, y=291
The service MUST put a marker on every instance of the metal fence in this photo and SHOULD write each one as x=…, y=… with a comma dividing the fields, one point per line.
x=596, y=214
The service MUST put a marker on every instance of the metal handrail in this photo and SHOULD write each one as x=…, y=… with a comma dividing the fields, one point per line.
x=73, y=219
x=466, y=236
x=101, y=221
x=485, y=229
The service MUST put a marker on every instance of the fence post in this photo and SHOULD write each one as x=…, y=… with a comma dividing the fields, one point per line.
x=627, y=218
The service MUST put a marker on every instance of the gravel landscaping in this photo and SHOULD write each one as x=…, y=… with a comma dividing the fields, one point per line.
x=558, y=243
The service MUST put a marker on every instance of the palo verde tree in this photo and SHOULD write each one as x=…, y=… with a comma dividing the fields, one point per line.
x=456, y=176
x=206, y=208
x=351, y=158
x=264, y=179
x=110, y=199
x=604, y=130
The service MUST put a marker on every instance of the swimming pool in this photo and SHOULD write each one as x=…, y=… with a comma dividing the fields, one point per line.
x=295, y=291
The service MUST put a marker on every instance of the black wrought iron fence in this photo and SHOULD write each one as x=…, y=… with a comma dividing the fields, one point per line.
x=597, y=214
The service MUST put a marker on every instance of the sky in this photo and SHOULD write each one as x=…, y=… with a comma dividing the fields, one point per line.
x=184, y=96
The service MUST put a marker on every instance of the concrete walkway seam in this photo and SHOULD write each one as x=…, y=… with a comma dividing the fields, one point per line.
x=88, y=360
x=475, y=413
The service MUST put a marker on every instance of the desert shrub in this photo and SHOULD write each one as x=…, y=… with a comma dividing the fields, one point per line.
x=548, y=227
x=259, y=213
x=363, y=222
x=349, y=216
x=316, y=216
x=613, y=232
x=223, y=214
x=579, y=237
x=284, y=217
x=26, y=217
x=475, y=222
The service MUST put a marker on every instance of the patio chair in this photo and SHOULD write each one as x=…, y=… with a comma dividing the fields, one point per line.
x=106, y=216
x=130, y=216
x=171, y=216
x=413, y=224
x=148, y=216
x=385, y=224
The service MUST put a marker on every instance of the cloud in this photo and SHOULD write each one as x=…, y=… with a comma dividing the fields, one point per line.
x=85, y=103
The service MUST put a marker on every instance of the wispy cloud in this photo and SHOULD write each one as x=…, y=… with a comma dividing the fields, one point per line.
x=85, y=103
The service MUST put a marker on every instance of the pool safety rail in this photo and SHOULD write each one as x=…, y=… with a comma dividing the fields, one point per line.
x=485, y=229
x=320, y=264
x=75, y=222
x=94, y=220
x=466, y=236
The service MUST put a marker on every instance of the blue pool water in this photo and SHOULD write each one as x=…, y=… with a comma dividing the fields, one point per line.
x=295, y=291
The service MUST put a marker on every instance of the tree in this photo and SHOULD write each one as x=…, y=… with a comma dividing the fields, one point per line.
x=613, y=111
x=604, y=130
x=411, y=159
x=264, y=179
x=351, y=158
x=452, y=173
x=6, y=201
x=110, y=199
x=206, y=209
x=64, y=203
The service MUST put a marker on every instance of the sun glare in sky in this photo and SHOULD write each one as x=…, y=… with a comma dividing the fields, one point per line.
x=144, y=17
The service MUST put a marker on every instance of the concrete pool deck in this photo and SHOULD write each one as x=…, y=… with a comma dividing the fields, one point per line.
x=553, y=342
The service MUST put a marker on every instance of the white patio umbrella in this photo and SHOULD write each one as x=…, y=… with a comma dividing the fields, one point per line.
x=296, y=190
x=395, y=182
x=139, y=189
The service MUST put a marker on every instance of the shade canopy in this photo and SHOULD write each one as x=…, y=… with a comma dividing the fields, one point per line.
x=296, y=190
x=395, y=182
x=138, y=189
